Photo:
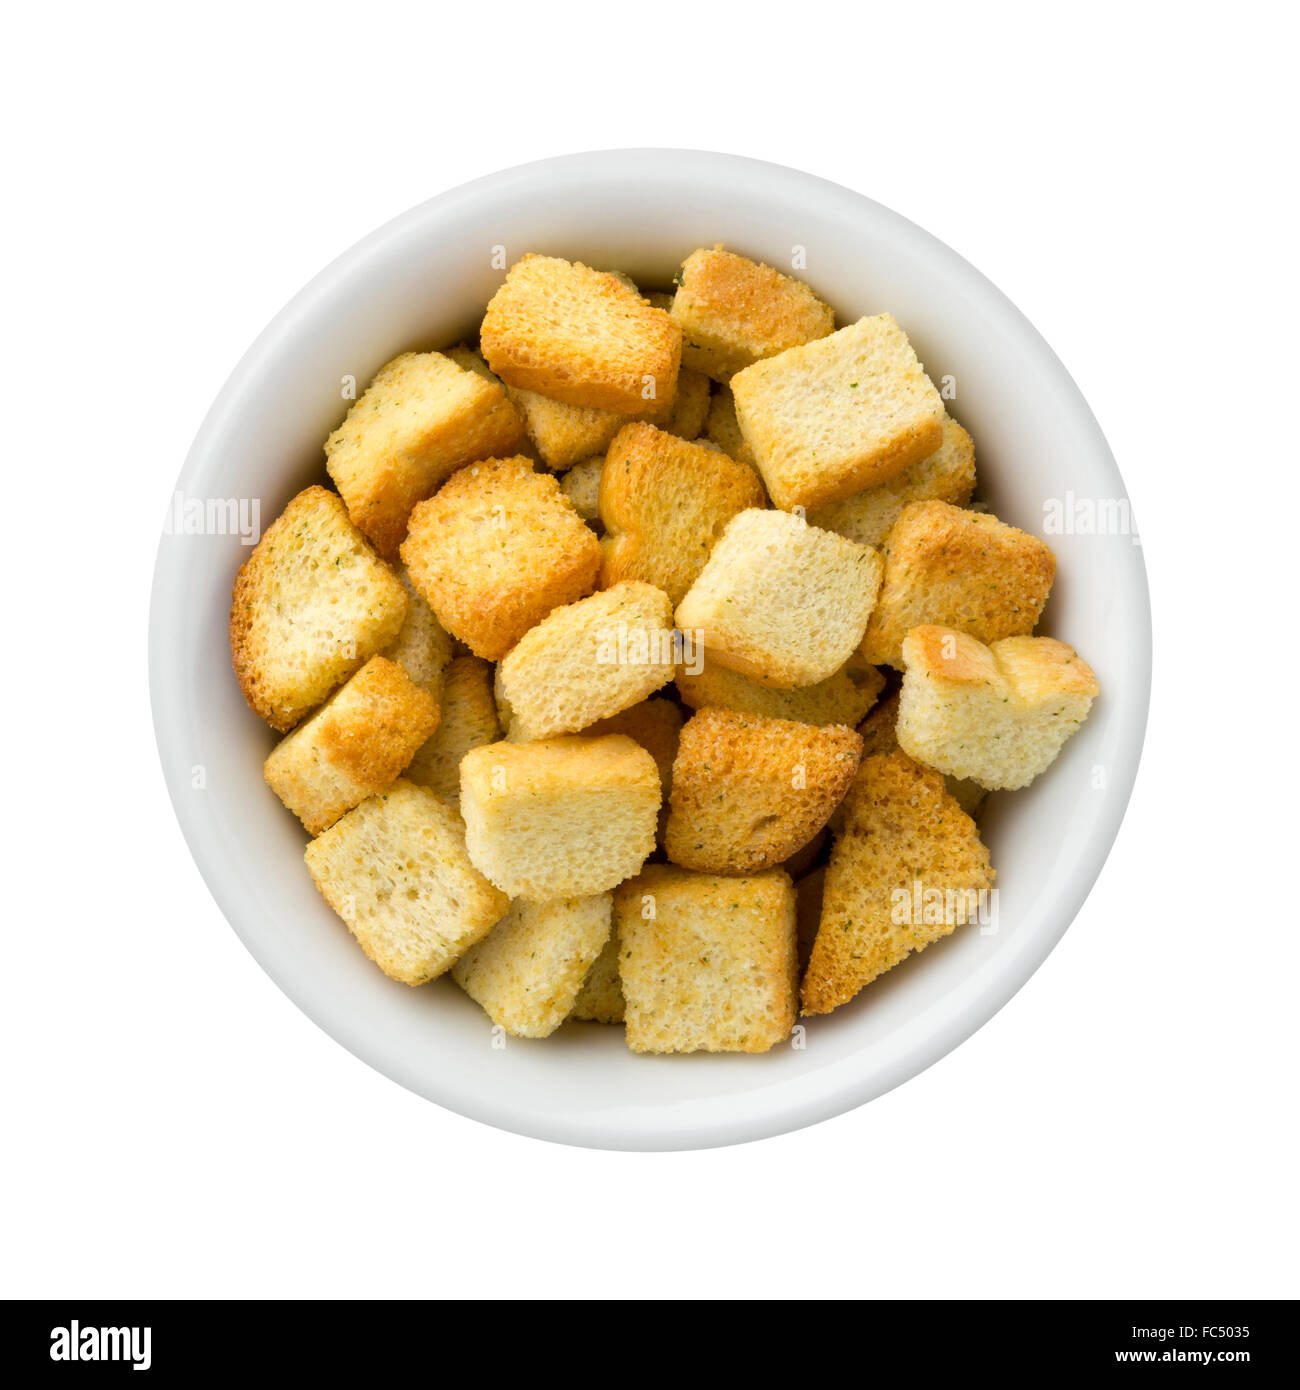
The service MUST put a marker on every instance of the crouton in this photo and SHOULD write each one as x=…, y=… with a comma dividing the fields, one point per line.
x=395, y=869
x=842, y=698
x=904, y=837
x=601, y=998
x=655, y=724
x=948, y=474
x=998, y=715
x=723, y=429
x=354, y=746
x=733, y=311
x=562, y=817
x=563, y=435
x=580, y=336
x=423, y=645
x=586, y=661
x=420, y=419
x=959, y=569
x=663, y=503
x=689, y=409
x=707, y=964
x=747, y=792
x=780, y=601
x=528, y=971
x=581, y=485
x=838, y=415
x=311, y=604
x=495, y=550
x=469, y=720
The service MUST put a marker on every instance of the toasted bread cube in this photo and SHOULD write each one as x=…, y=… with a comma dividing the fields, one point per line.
x=948, y=474
x=601, y=998
x=528, y=971
x=469, y=720
x=707, y=964
x=655, y=724
x=780, y=601
x=689, y=410
x=564, y=435
x=723, y=429
x=581, y=485
x=580, y=336
x=748, y=792
x=395, y=869
x=958, y=569
x=997, y=715
x=311, y=604
x=733, y=312
x=354, y=746
x=586, y=661
x=420, y=419
x=495, y=550
x=842, y=698
x=423, y=645
x=838, y=415
x=563, y=817
x=664, y=502
x=905, y=839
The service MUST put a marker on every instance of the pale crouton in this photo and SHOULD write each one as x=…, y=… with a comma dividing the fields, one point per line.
x=723, y=429
x=747, y=792
x=689, y=409
x=469, y=720
x=420, y=419
x=581, y=485
x=656, y=725
x=904, y=837
x=495, y=550
x=580, y=336
x=352, y=747
x=395, y=869
x=842, y=698
x=780, y=601
x=563, y=434
x=311, y=604
x=560, y=818
x=999, y=714
x=423, y=645
x=707, y=964
x=838, y=415
x=528, y=971
x=733, y=311
x=948, y=474
x=959, y=569
x=663, y=503
x=586, y=661
x=601, y=998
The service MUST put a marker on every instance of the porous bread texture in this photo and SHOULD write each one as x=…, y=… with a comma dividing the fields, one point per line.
x=420, y=419
x=959, y=569
x=396, y=870
x=663, y=503
x=581, y=485
x=528, y=971
x=842, y=698
x=311, y=604
x=748, y=792
x=802, y=860
x=495, y=550
x=948, y=474
x=469, y=720
x=656, y=724
x=562, y=817
x=587, y=661
x=834, y=416
x=423, y=645
x=707, y=963
x=723, y=429
x=902, y=829
x=600, y=999
x=580, y=336
x=780, y=601
x=353, y=746
x=997, y=714
x=733, y=311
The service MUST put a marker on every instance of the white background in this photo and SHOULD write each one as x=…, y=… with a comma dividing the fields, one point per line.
x=173, y=1126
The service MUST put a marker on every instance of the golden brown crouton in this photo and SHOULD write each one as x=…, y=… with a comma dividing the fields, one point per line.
x=842, y=698
x=469, y=720
x=423, y=645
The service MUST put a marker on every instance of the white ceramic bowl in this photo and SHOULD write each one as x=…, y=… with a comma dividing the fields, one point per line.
x=422, y=281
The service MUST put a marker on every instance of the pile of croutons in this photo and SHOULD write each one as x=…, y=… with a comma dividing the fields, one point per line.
x=648, y=665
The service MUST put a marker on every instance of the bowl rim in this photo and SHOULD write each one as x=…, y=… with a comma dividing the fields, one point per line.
x=763, y=1115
